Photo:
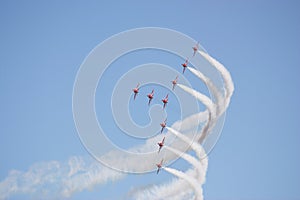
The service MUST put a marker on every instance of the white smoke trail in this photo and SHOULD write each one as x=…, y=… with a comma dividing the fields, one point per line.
x=53, y=179
x=193, y=161
x=174, y=189
x=201, y=97
x=229, y=88
x=193, y=182
x=215, y=91
x=190, y=122
x=222, y=102
x=228, y=83
x=195, y=146
x=211, y=107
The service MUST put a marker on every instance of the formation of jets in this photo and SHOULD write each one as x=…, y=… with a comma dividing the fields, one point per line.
x=165, y=101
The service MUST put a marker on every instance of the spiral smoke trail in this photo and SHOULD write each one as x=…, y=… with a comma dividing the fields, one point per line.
x=192, y=181
x=193, y=161
x=195, y=180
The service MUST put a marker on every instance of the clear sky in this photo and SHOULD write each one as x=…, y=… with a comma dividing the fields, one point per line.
x=44, y=43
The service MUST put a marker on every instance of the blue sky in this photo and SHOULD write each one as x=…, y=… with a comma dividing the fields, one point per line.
x=44, y=43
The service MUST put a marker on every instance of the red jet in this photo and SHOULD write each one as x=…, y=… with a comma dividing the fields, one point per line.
x=161, y=144
x=174, y=82
x=184, y=65
x=195, y=48
x=150, y=96
x=165, y=100
x=159, y=165
x=136, y=90
x=163, y=125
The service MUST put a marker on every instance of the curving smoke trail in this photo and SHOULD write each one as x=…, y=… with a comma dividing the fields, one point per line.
x=215, y=110
x=57, y=180
x=215, y=91
x=191, y=121
x=196, y=147
x=201, y=97
x=200, y=170
x=174, y=189
x=192, y=181
x=200, y=167
x=228, y=83
x=211, y=107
